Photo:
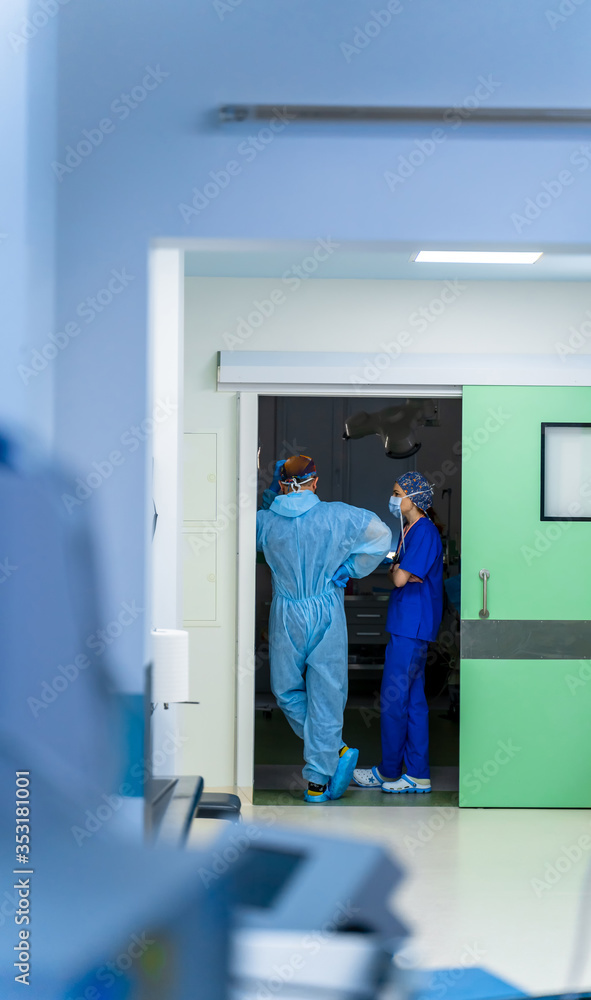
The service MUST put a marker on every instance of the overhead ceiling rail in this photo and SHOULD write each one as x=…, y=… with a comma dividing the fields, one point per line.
x=369, y=115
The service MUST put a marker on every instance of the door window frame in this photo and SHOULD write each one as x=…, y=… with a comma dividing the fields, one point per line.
x=544, y=516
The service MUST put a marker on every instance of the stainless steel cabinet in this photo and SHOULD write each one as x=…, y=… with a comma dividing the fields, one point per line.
x=366, y=620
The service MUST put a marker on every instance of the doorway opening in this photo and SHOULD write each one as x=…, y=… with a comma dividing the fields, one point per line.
x=360, y=446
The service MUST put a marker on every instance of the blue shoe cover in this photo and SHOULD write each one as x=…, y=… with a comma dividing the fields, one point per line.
x=341, y=779
x=317, y=798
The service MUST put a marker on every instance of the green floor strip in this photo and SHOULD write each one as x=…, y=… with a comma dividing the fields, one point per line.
x=380, y=800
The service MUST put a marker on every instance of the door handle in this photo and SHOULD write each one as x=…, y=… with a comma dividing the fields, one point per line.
x=484, y=575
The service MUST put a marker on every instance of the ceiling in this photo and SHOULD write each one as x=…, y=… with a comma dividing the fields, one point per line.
x=358, y=261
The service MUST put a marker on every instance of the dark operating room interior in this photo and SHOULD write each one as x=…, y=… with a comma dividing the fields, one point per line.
x=360, y=445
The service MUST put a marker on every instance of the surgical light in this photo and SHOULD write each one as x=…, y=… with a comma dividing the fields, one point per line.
x=395, y=425
x=477, y=256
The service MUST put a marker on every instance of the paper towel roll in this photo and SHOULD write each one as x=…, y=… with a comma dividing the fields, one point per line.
x=170, y=674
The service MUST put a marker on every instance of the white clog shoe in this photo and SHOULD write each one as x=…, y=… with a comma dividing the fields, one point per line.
x=407, y=784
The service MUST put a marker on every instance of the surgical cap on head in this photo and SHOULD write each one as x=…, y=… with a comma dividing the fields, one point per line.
x=298, y=468
x=413, y=482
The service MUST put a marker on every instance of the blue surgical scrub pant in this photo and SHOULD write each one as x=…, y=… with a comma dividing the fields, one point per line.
x=309, y=675
x=404, y=712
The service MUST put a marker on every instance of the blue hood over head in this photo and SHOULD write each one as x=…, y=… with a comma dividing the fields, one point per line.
x=294, y=504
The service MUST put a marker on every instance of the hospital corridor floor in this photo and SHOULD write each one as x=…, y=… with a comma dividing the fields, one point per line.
x=493, y=888
x=278, y=758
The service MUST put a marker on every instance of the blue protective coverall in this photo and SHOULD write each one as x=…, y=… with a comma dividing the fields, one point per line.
x=414, y=617
x=305, y=541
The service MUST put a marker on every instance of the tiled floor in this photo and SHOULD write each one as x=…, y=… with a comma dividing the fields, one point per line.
x=497, y=888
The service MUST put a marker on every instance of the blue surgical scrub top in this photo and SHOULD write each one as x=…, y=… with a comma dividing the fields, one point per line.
x=415, y=610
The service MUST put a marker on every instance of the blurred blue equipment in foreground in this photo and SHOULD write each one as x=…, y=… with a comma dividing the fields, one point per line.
x=262, y=913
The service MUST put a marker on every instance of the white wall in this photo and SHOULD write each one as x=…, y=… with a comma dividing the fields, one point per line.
x=211, y=724
x=341, y=315
x=327, y=315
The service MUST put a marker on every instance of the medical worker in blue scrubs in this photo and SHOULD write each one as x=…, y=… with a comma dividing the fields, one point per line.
x=312, y=548
x=414, y=616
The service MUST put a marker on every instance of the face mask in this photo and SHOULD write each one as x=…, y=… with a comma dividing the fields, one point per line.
x=395, y=502
x=296, y=484
x=394, y=505
x=395, y=509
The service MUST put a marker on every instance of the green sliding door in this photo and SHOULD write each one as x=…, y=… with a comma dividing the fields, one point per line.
x=526, y=668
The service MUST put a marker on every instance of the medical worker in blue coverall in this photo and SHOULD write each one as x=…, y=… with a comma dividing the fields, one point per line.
x=414, y=616
x=312, y=548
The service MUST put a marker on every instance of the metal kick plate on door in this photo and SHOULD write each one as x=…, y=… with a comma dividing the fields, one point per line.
x=525, y=640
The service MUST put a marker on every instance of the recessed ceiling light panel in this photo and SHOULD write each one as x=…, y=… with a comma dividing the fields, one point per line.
x=477, y=256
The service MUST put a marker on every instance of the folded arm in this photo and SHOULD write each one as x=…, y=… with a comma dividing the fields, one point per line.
x=400, y=577
x=371, y=546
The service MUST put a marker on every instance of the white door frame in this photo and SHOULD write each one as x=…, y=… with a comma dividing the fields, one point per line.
x=246, y=555
x=164, y=465
x=247, y=476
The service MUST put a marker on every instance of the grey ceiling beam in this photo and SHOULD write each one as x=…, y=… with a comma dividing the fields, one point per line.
x=371, y=115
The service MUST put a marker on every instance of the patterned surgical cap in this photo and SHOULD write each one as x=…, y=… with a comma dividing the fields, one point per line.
x=413, y=482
